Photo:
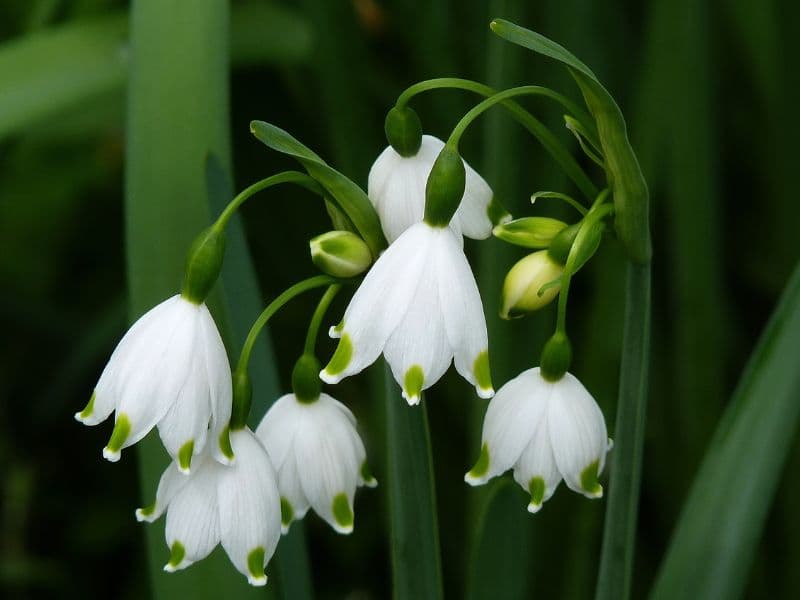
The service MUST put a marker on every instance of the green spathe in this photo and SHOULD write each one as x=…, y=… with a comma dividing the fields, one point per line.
x=203, y=264
x=342, y=513
x=403, y=130
x=445, y=187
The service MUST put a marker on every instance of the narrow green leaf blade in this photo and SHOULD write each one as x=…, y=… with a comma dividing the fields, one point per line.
x=416, y=563
x=717, y=535
x=348, y=196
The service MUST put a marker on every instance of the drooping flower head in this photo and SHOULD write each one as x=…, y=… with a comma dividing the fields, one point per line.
x=545, y=431
x=236, y=505
x=169, y=370
x=396, y=187
x=318, y=455
x=419, y=305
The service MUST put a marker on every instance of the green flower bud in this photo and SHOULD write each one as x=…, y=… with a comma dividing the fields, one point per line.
x=522, y=288
x=556, y=357
x=203, y=264
x=445, y=187
x=306, y=384
x=529, y=232
x=340, y=254
x=242, y=398
x=562, y=243
x=403, y=131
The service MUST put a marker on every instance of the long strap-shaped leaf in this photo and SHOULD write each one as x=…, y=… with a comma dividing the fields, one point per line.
x=718, y=531
x=416, y=564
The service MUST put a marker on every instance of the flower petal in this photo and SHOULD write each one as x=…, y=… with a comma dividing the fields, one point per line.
x=514, y=414
x=473, y=212
x=218, y=374
x=578, y=435
x=171, y=482
x=193, y=525
x=463, y=315
x=249, y=507
x=379, y=304
x=536, y=470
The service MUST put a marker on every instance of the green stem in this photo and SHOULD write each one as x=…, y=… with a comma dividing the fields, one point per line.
x=536, y=128
x=272, y=308
x=619, y=538
x=286, y=177
x=319, y=314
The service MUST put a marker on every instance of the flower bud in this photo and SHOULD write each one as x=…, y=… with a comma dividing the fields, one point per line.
x=445, y=187
x=522, y=288
x=529, y=232
x=403, y=131
x=556, y=357
x=305, y=379
x=340, y=254
x=203, y=264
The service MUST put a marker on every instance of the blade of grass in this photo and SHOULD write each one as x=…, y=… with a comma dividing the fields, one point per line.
x=416, y=564
x=717, y=535
x=619, y=536
x=177, y=115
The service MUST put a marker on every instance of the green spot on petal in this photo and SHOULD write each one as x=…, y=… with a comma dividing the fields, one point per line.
x=225, y=443
x=287, y=512
x=482, y=465
x=342, y=513
x=122, y=429
x=480, y=367
x=147, y=510
x=341, y=358
x=185, y=455
x=589, y=482
x=89, y=408
x=413, y=381
x=366, y=475
x=255, y=563
x=536, y=487
x=177, y=554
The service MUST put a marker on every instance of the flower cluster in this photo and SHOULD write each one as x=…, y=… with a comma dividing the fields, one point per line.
x=418, y=305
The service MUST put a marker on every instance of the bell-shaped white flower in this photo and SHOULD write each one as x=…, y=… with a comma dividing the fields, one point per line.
x=319, y=457
x=237, y=506
x=420, y=306
x=170, y=370
x=544, y=431
x=396, y=187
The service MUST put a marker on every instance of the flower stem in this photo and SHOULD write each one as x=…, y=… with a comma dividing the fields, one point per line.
x=319, y=314
x=545, y=137
x=295, y=177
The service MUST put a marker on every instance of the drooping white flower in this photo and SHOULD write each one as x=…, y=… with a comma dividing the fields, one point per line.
x=420, y=306
x=544, y=431
x=319, y=457
x=171, y=370
x=237, y=506
x=396, y=187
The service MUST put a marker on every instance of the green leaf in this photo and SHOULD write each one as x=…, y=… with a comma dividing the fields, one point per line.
x=619, y=536
x=416, y=564
x=349, y=197
x=718, y=532
x=631, y=198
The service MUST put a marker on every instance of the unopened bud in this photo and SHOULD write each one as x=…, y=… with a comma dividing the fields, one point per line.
x=203, y=264
x=403, y=131
x=445, y=187
x=529, y=232
x=531, y=284
x=340, y=254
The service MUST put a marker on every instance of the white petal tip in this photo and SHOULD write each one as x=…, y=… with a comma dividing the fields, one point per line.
x=285, y=529
x=224, y=460
x=485, y=393
x=185, y=470
x=329, y=378
x=334, y=333
x=111, y=455
x=80, y=418
x=170, y=568
x=343, y=529
x=412, y=400
x=143, y=516
x=474, y=481
x=371, y=483
x=259, y=581
x=610, y=445
x=534, y=508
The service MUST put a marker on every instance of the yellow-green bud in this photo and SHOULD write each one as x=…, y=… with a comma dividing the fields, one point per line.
x=445, y=187
x=556, y=357
x=340, y=254
x=522, y=288
x=529, y=232
x=203, y=264
x=403, y=131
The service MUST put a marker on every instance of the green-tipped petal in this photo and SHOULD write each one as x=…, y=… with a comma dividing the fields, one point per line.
x=342, y=513
x=122, y=429
x=413, y=381
x=477, y=474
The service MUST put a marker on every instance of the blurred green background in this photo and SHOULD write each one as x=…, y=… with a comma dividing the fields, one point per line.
x=708, y=90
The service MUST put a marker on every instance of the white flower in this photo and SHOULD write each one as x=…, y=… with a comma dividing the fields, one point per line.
x=319, y=457
x=546, y=431
x=171, y=370
x=396, y=187
x=237, y=506
x=420, y=306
